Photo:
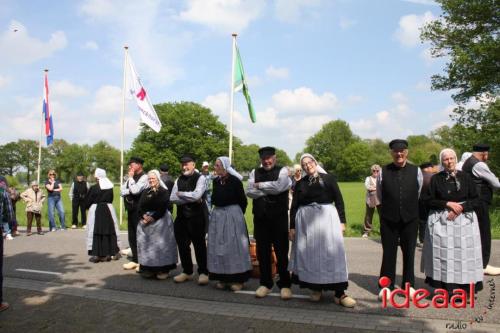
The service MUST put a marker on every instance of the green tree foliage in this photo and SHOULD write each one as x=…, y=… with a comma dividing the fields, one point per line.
x=186, y=128
x=423, y=149
x=9, y=163
x=282, y=158
x=246, y=157
x=473, y=126
x=355, y=161
x=328, y=144
x=102, y=155
x=27, y=151
x=468, y=34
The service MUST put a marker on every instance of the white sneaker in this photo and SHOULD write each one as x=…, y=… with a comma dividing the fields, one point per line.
x=84, y=227
x=73, y=226
x=489, y=270
x=262, y=291
x=381, y=293
x=203, y=279
x=285, y=293
x=9, y=237
x=183, y=277
x=365, y=235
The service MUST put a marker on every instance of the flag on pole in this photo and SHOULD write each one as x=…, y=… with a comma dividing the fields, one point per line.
x=49, y=128
x=240, y=83
x=134, y=89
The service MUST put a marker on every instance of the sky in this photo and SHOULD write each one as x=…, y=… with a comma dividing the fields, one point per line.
x=307, y=62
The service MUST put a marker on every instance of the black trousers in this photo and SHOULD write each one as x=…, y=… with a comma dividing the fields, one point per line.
x=133, y=221
x=78, y=205
x=483, y=218
x=422, y=226
x=406, y=235
x=272, y=229
x=187, y=231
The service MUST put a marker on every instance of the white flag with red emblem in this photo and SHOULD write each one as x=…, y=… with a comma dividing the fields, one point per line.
x=135, y=89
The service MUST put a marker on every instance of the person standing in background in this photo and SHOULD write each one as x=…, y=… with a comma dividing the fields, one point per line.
x=77, y=194
x=372, y=201
x=423, y=210
x=54, y=189
x=34, y=199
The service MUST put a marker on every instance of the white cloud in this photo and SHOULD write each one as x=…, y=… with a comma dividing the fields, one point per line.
x=408, y=32
x=382, y=116
x=217, y=103
x=423, y=86
x=304, y=101
x=399, y=97
x=4, y=81
x=277, y=72
x=226, y=16
x=423, y=2
x=354, y=99
x=65, y=88
x=18, y=47
x=156, y=48
x=90, y=45
x=294, y=10
x=345, y=23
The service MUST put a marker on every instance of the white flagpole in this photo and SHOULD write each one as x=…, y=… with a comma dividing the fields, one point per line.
x=231, y=106
x=41, y=131
x=123, y=127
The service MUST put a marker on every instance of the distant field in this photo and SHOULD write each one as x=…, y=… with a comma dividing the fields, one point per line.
x=353, y=193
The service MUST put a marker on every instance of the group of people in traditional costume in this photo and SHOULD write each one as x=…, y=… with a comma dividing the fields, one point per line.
x=455, y=250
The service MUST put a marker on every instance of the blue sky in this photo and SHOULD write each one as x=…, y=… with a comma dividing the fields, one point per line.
x=307, y=62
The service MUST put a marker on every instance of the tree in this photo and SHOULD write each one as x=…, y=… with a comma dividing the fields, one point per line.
x=468, y=34
x=186, y=128
x=28, y=157
x=103, y=155
x=328, y=144
x=9, y=162
x=282, y=158
x=423, y=149
x=246, y=157
x=355, y=161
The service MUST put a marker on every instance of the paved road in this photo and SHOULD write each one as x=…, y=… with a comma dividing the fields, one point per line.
x=73, y=288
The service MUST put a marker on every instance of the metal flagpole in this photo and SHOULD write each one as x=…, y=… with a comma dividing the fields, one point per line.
x=123, y=127
x=231, y=107
x=41, y=131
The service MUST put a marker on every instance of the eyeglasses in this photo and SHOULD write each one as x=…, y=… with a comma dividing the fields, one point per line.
x=375, y=170
x=52, y=174
x=307, y=163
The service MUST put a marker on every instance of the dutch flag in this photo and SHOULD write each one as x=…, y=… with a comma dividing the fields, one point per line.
x=49, y=129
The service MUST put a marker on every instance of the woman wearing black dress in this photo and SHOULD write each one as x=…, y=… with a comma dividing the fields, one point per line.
x=102, y=227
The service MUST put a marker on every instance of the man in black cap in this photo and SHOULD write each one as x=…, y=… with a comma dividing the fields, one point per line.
x=168, y=181
x=268, y=187
x=77, y=194
x=399, y=185
x=131, y=191
x=189, y=225
x=427, y=169
x=486, y=182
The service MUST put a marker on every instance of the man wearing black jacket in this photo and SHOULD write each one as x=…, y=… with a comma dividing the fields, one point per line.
x=77, y=194
x=399, y=185
x=131, y=191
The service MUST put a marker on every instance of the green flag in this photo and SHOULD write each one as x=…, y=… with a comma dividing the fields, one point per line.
x=239, y=83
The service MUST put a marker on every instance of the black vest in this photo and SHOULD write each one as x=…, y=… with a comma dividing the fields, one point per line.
x=188, y=184
x=132, y=200
x=79, y=190
x=399, y=193
x=276, y=202
x=483, y=188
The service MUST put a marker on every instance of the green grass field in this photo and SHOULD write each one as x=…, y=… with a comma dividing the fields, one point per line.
x=353, y=193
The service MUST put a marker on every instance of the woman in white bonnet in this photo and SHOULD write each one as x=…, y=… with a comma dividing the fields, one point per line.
x=452, y=249
x=102, y=224
x=228, y=255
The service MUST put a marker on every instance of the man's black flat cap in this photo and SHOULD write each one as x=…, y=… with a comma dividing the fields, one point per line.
x=481, y=147
x=398, y=144
x=267, y=151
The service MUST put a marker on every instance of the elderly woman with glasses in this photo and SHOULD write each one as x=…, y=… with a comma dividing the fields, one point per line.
x=452, y=251
x=102, y=224
x=228, y=245
x=156, y=246
x=371, y=200
x=317, y=222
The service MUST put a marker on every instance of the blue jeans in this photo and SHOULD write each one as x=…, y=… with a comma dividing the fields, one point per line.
x=57, y=203
x=6, y=227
